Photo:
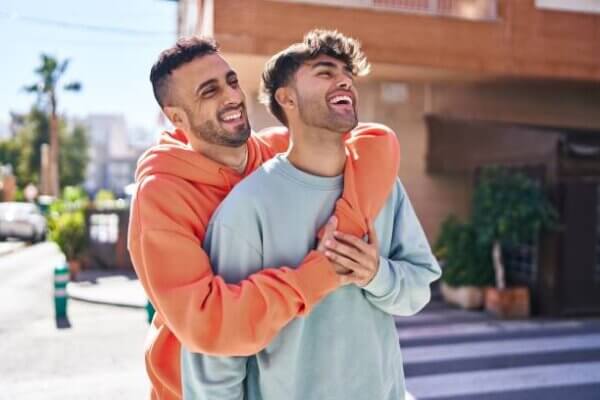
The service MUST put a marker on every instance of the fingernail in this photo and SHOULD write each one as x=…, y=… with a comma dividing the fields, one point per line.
x=328, y=243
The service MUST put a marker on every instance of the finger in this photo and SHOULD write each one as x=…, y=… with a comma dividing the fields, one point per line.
x=342, y=260
x=352, y=268
x=341, y=270
x=345, y=250
x=355, y=278
x=354, y=241
x=373, y=240
x=330, y=228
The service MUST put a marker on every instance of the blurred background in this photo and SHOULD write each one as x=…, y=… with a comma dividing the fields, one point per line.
x=496, y=104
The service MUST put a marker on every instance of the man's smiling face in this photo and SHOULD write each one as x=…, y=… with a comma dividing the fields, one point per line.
x=326, y=94
x=208, y=90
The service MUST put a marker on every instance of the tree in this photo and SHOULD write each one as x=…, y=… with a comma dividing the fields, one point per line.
x=50, y=73
x=73, y=157
x=23, y=152
x=34, y=131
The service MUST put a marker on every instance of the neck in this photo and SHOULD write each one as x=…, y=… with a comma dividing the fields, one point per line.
x=317, y=151
x=235, y=158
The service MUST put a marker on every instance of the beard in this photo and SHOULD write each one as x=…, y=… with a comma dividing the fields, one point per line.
x=314, y=112
x=211, y=131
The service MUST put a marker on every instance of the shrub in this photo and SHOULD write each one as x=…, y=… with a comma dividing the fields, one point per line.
x=467, y=261
x=68, y=231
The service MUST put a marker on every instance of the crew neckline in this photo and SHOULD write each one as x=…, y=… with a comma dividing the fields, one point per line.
x=283, y=166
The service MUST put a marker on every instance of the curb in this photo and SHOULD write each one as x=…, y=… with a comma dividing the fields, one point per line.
x=5, y=249
x=109, y=291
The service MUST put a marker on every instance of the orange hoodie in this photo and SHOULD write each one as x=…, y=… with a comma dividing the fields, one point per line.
x=177, y=192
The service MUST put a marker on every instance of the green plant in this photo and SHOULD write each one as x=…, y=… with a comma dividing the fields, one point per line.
x=466, y=260
x=66, y=222
x=509, y=208
x=104, y=195
x=68, y=231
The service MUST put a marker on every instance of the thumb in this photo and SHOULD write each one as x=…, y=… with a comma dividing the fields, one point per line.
x=328, y=230
x=373, y=240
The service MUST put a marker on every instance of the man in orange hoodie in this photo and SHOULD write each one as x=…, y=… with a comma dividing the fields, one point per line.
x=180, y=183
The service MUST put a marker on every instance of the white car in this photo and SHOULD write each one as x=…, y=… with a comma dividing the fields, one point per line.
x=22, y=221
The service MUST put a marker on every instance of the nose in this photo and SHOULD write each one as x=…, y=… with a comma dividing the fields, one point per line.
x=345, y=82
x=233, y=96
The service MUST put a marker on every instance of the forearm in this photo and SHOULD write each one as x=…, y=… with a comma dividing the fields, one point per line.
x=212, y=317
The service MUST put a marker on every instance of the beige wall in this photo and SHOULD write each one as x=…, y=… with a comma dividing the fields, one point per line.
x=547, y=103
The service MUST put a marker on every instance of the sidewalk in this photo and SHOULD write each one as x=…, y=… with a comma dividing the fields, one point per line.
x=9, y=247
x=108, y=287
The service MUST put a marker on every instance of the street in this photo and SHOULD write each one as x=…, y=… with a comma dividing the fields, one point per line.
x=451, y=354
x=448, y=353
x=100, y=356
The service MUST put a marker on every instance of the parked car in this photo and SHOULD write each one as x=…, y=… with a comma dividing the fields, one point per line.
x=22, y=221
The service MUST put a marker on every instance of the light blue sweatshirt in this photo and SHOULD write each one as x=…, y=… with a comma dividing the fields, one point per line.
x=347, y=347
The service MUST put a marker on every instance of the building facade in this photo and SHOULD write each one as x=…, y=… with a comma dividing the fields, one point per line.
x=113, y=153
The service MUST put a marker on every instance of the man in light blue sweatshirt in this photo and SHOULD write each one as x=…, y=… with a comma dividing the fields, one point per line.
x=347, y=347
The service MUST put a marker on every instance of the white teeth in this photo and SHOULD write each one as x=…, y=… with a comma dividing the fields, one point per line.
x=337, y=99
x=231, y=117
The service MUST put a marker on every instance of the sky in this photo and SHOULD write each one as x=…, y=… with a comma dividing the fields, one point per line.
x=111, y=45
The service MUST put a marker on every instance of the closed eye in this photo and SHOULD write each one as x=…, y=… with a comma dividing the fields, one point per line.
x=209, y=92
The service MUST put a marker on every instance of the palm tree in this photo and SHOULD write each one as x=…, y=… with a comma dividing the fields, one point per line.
x=50, y=73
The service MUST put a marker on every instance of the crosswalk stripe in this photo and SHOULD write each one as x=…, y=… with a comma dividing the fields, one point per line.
x=499, y=347
x=488, y=327
x=490, y=381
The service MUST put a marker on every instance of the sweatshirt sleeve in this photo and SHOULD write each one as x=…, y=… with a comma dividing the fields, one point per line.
x=214, y=377
x=204, y=312
x=401, y=285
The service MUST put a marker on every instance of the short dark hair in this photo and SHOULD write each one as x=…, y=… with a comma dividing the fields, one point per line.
x=282, y=66
x=185, y=50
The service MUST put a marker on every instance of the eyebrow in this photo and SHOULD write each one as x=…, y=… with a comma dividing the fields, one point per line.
x=214, y=81
x=329, y=64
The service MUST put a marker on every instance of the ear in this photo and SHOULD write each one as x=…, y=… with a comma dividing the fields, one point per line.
x=177, y=116
x=286, y=98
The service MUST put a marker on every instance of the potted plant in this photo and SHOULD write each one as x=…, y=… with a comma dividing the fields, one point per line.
x=508, y=209
x=67, y=229
x=467, y=268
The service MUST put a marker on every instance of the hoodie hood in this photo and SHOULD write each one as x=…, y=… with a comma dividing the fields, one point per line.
x=173, y=156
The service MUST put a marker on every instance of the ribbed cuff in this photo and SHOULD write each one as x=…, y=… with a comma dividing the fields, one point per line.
x=382, y=282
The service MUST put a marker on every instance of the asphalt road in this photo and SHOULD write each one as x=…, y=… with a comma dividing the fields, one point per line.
x=99, y=356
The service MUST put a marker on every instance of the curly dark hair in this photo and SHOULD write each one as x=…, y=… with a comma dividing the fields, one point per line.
x=185, y=50
x=280, y=69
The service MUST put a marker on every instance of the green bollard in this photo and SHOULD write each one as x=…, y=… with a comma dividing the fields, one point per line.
x=150, y=310
x=61, y=278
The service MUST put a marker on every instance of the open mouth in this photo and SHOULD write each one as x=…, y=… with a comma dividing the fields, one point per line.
x=232, y=116
x=342, y=102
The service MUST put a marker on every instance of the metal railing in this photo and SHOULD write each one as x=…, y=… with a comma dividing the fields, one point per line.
x=481, y=10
